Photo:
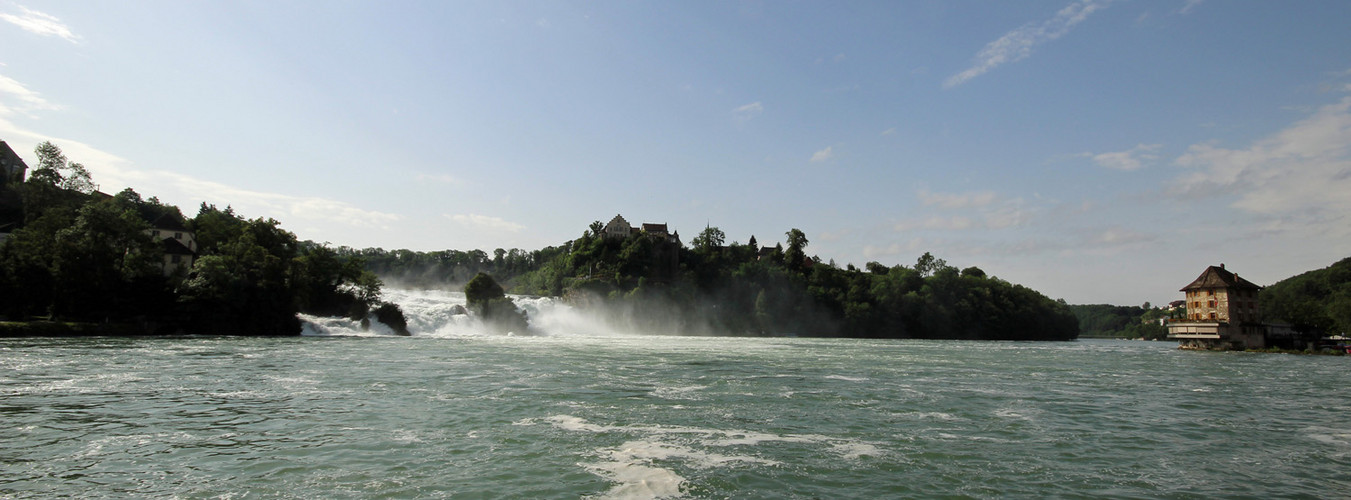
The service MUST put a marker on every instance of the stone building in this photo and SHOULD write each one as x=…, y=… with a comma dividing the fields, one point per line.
x=1222, y=313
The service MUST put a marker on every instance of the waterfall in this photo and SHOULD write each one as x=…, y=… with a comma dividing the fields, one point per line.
x=440, y=313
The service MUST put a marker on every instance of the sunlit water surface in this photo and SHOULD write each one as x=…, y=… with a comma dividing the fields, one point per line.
x=623, y=416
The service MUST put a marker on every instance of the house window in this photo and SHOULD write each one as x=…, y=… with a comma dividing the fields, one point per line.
x=1210, y=292
x=175, y=258
x=1212, y=315
x=154, y=233
x=178, y=236
x=1212, y=303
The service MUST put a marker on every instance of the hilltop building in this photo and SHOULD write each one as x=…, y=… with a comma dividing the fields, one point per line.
x=1222, y=313
x=619, y=228
x=180, y=244
x=665, y=250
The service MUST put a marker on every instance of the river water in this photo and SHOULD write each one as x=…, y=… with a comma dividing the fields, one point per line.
x=454, y=413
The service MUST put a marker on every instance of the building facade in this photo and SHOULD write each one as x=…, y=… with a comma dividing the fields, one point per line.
x=180, y=244
x=1222, y=313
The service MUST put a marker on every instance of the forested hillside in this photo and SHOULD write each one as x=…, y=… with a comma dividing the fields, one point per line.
x=1315, y=301
x=76, y=255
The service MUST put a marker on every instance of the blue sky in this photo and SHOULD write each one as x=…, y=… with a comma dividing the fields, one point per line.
x=1098, y=151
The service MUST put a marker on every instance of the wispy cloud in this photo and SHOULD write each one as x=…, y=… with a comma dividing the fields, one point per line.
x=889, y=131
x=40, y=23
x=748, y=111
x=300, y=207
x=1300, y=175
x=967, y=211
x=1189, y=5
x=957, y=200
x=475, y=221
x=1131, y=159
x=27, y=100
x=823, y=155
x=1017, y=45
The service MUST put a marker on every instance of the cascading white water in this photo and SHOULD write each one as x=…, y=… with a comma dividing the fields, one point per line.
x=440, y=313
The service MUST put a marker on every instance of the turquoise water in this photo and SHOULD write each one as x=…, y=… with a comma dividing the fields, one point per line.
x=643, y=417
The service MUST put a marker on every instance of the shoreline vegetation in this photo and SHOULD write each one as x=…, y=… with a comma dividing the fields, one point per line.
x=80, y=262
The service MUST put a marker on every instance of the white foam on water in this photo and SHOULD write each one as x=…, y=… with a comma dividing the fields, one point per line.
x=850, y=379
x=637, y=481
x=928, y=415
x=855, y=450
x=631, y=464
x=686, y=392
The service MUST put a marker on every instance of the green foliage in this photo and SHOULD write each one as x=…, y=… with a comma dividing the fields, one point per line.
x=487, y=299
x=92, y=258
x=243, y=288
x=391, y=315
x=54, y=170
x=708, y=239
x=1317, y=301
x=795, y=256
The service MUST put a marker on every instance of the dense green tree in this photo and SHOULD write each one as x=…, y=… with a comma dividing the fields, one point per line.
x=708, y=239
x=487, y=299
x=53, y=169
x=1316, y=302
x=795, y=255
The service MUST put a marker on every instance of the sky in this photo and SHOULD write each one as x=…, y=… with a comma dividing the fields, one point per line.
x=1096, y=151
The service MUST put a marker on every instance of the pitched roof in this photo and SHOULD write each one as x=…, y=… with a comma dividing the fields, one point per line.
x=619, y=219
x=1218, y=277
x=654, y=228
x=175, y=247
x=10, y=160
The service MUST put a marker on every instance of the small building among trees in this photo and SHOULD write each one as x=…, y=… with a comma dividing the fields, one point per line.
x=180, y=244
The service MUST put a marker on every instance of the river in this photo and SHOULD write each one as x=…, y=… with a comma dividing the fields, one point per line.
x=453, y=412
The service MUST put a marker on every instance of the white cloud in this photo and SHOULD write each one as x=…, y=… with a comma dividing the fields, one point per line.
x=246, y=201
x=889, y=131
x=1017, y=45
x=977, y=210
x=1131, y=159
x=1301, y=174
x=27, y=100
x=476, y=221
x=937, y=222
x=40, y=23
x=748, y=111
x=957, y=200
x=822, y=155
x=1188, y=5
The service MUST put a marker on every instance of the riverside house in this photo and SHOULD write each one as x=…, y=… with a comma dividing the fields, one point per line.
x=1222, y=313
x=180, y=244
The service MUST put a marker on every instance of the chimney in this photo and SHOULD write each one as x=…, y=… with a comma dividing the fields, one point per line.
x=1221, y=265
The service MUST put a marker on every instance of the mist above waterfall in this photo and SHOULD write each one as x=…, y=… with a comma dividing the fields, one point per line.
x=441, y=313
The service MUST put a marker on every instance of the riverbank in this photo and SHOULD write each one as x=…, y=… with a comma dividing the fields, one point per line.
x=14, y=329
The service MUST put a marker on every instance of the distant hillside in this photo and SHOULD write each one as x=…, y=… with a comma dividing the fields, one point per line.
x=1316, y=301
